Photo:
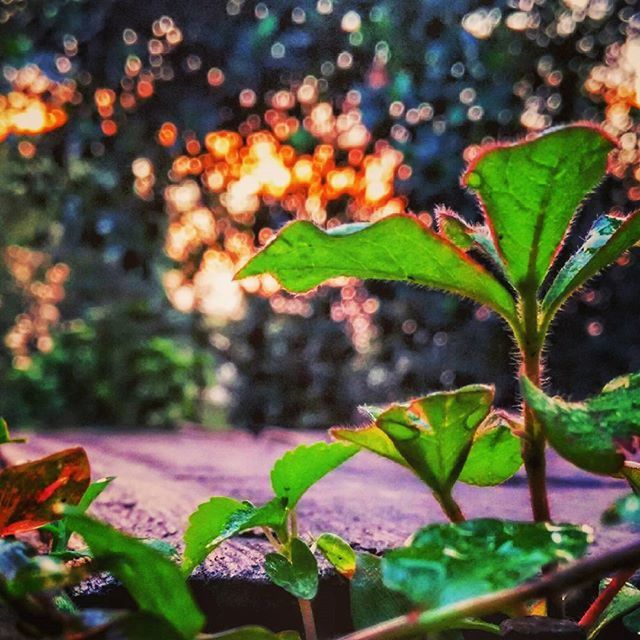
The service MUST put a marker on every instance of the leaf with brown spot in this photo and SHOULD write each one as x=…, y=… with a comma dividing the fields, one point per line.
x=30, y=491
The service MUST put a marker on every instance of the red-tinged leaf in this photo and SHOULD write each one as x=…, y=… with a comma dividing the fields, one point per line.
x=29, y=492
x=530, y=190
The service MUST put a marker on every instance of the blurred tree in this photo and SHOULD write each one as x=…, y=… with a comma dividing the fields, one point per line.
x=432, y=77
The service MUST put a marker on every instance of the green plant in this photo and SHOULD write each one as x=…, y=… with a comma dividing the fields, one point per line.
x=292, y=564
x=529, y=192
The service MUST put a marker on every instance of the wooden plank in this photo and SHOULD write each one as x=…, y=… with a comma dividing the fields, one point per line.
x=374, y=504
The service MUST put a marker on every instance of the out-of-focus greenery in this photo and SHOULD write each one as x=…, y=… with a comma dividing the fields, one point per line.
x=124, y=365
x=75, y=201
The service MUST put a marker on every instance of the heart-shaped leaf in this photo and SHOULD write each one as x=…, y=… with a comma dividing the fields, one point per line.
x=339, y=553
x=494, y=457
x=219, y=519
x=434, y=434
x=299, y=469
x=609, y=237
x=530, y=191
x=591, y=434
x=399, y=247
x=446, y=563
x=298, y=575
x=154, y=582
x=29, y=492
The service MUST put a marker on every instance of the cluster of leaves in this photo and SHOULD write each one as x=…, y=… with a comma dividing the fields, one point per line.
x=447, y=574
x=529, y=193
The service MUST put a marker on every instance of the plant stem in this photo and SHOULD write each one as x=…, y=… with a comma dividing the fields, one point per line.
x=273, y=541
x=550, y=584
x=450, y=507
x=533, y=444
x=605, y=597
x=308, y=620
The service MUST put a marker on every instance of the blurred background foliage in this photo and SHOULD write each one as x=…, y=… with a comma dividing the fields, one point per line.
x=115, y=313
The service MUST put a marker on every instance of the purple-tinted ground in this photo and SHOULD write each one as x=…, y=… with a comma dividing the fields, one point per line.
x=374, y=504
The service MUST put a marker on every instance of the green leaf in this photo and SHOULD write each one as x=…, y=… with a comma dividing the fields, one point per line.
x=434, y=434
x=446, y=563
x=609, y=237
x=372, y=439
x=467, y=237
x=590, y=434
x=154, y=582
x=221, y=518
x=625, y=510
x=298, y=576
x=632, y=621
x=339, y=553
x=530, y=191
x=5, y=437
x=298, y=470
x=631, y=472
x=399, y=247
x=371, y=601
x=93, y=491
x=46, y=573
x=627, y=599
x=254, y=633
x=495, y=455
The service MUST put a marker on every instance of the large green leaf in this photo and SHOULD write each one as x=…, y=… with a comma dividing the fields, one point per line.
x=298, y=574
x=530, y=191
x=609, y=237
x=434, y=434
x=494, y=457
x=590, y=434
x=399, y=247
x=371, y=601
x=446, y=563
x=299, y=469
x=154, y=582
x=627, y=599
x=219, y=519
x=372, y=439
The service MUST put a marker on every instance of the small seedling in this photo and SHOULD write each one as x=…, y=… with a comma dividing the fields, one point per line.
x=292, y=564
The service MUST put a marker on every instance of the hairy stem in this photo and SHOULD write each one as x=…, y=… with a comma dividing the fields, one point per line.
x=533, y=444
x=605, y=597
x=308, y=620
x=450, y=507
x=415, y=622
